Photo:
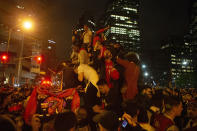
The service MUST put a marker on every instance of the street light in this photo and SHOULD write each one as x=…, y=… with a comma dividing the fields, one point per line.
x=146, y=74
x=27, y=25
x=143, y=66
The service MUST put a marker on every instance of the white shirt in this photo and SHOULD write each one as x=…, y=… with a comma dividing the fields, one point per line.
x=90, y=73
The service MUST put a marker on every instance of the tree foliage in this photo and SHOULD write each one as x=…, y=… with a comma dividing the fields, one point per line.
x=187, y=80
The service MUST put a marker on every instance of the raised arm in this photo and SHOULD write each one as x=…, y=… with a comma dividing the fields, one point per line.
x=122, y=62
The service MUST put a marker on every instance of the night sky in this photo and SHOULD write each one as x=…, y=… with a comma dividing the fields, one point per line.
x=159, y=19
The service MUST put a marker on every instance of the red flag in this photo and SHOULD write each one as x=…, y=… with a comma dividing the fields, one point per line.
x=30, y=109
x=76, y=99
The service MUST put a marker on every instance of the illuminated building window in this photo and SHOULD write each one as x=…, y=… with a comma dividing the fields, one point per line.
x=165, y=46
x=129, y=22
x=122, y=18
x=124, y=25
x=119, y=17
x=131, y=9
x=49, y=47
x=174, y=63
x=20, y=7
x=112, y=31
x=173, y=56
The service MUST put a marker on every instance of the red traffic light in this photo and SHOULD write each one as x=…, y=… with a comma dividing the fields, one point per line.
x=4, y=58
x=39, y=59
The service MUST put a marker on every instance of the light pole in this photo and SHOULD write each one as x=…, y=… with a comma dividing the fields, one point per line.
x=9, y=37
x=26, y=25
x=20, y=59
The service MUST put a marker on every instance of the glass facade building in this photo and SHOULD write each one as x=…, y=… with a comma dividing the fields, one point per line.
x=122, y=16
x=178, y=57
x=193, y=32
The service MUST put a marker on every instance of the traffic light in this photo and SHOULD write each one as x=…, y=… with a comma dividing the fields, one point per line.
x=39, y=59
x=4, y=58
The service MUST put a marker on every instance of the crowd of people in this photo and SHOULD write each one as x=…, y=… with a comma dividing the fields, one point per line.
x=112, y=94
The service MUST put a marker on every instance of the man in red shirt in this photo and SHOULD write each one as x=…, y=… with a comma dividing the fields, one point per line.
x=111, y=73
x=131, y=74
x=165, y=122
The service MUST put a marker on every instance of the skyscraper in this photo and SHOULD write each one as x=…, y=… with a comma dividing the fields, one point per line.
x=178, y=57
x=122, y=16
x=191, y=37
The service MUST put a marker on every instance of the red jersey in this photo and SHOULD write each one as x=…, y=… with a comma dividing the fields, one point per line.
x=98, y=38
x=110, y=73
x=131, y=75
x=161, y=122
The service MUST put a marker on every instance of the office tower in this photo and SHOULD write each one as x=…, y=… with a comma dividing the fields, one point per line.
x=123, y=18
